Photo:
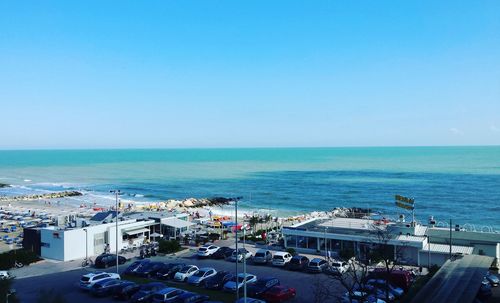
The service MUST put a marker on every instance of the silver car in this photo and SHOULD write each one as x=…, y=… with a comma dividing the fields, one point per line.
x=262, y=256
x=201, y=275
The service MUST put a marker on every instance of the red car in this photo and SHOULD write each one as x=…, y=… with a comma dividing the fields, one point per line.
x=279, y=294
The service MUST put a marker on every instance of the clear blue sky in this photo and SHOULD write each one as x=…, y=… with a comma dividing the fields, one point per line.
x=248, y=73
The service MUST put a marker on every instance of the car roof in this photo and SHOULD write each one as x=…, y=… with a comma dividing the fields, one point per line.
x=263, y=250
x=166, y=290
x=281, y=253
x=93, y=274
x=245, y=275
x=266, y=278
x=206, y=268
x=317, y=260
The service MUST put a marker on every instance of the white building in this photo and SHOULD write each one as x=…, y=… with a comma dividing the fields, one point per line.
x=72, y=243
x=415, y=245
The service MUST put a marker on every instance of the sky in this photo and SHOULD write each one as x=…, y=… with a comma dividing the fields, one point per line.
x=141, y=74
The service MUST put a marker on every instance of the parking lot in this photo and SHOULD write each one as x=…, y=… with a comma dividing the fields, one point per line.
x=28, y=289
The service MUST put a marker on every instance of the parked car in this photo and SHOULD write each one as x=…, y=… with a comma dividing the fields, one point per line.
x=493, y=279
x=106, y=260
x=147, y=291
x=262, y=256
x=5, y=275
x=90, y=279
x=104, y=287
x=399, y=278
x=235, y=283
x=381, y=294
x=337, y=268
x=249, y=300
x=279, y=294
x=186, y=272
x=218, y=280
x=281, y=258
x=201, y=275
x=149, y=269
x=485, y=290
x=167, y=295
x=125, y=290
x=242, y=253
x=298, y=262
x=191, y=297
x=360, y=297
x=222, y=253
x=262, y=285
x=169, y=271
x=207, y=250
x=132, y=268
x=381, y=284
x=317, y=265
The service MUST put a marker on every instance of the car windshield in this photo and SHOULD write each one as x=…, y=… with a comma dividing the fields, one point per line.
x=85, y=279
x=336, y=264
x=295, y=261
x=259, y=254
x=199, y=274
x=202, y=249
x=278, y=257
x=185, y=269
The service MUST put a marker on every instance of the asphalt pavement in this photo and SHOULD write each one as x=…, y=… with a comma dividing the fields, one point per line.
x=29, y=288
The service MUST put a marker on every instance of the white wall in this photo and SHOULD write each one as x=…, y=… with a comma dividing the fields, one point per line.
x=71, y=242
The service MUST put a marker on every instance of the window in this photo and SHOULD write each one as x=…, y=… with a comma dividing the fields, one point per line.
x=291, y=241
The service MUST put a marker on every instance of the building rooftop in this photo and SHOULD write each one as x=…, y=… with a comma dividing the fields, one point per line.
x=457, y=281
x=455, y=249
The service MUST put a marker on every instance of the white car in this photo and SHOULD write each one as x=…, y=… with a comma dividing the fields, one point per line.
x=202, y=275
x=339, y=267
x=207, y=250
x=281, y=258
x=234, y=286
x=88, y=280
x=186, y=272
x=242, y=253
x=5, y=275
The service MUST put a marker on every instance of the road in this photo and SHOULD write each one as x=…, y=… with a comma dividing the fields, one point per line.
x=28, y=289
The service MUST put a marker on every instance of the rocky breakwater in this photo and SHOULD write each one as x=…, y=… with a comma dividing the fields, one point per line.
x=194, y=202
x=56, y=195
x=2, y=185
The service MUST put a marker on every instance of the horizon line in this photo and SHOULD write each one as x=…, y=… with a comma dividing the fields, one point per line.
x=239, y=147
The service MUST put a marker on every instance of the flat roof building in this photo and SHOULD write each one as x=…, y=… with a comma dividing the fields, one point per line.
x=413, y=244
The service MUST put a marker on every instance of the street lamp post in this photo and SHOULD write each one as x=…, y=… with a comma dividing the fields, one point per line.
x=244, y=266
x=116, y=192
x=86, y=246
x=236, y=240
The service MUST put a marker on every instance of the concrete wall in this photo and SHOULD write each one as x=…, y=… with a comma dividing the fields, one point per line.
x=52, y=242
x=69, y=244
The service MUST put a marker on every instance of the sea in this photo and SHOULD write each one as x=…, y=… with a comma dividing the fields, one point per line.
x=457, y=183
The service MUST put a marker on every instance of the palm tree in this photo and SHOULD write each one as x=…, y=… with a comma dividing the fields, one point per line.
x=253, y=222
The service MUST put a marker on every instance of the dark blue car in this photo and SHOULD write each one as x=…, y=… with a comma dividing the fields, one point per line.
x=191, y=297
x=104, y=287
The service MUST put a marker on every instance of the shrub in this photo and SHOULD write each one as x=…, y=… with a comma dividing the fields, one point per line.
x=291, y=251
x=214, y=236
x=5, y=287
x=26, y=257
x=168, y=246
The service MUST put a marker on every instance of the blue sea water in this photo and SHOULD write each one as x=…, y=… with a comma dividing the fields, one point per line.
x=459, y=183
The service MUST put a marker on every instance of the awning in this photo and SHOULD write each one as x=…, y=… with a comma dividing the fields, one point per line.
x=136, y=231
x=176, y=223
